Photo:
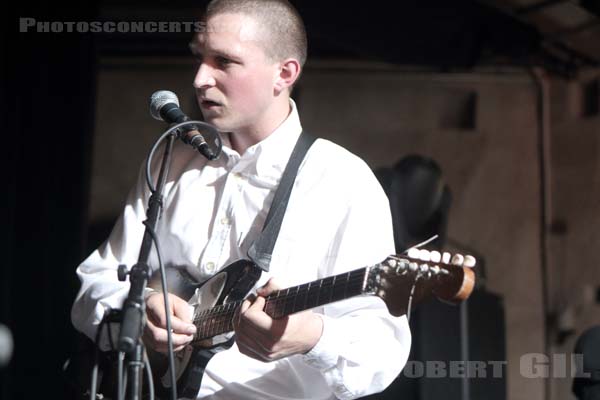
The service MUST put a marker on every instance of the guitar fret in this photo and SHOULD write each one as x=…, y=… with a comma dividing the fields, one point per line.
x=331, y=288
x=289, y=303
x=338, y=288
x=211, y=326
x=317, y=303
x=211, y=323
x=300, y=303
x=312, y=297
x=219, y=319
x=294, y=299
x=306, y=296
x=221, y=326
x=355, y=282
x=346, y=284
x=280, y=305
x=336, y=293
x=218, y=326
x=204, y=326
x=275, y=302
x=324, y=294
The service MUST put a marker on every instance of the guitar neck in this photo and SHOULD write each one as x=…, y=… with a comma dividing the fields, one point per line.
x=218, y=320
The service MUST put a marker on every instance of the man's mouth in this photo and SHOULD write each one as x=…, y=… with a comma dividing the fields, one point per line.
x=209, y=103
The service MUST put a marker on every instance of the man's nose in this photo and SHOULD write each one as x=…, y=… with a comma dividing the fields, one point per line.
x=204, y=76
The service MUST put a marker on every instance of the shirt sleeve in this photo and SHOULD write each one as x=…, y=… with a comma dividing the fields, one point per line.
x=363, y=348
x=100, y=289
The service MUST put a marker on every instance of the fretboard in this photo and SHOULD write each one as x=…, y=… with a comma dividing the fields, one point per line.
x=218, y=320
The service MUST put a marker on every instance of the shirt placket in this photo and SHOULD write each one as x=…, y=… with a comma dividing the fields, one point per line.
x=218, y=247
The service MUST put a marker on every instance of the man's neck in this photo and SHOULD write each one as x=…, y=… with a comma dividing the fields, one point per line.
x=244, y=138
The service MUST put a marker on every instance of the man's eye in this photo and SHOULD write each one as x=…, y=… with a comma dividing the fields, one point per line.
x=223, y=61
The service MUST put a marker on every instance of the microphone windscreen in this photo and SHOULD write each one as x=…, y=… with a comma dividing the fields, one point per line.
x=159, y=99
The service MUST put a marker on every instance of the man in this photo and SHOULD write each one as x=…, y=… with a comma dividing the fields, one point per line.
x=249, y=57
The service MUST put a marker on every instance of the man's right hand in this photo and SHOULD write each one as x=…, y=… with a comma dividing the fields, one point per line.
x=155, y=331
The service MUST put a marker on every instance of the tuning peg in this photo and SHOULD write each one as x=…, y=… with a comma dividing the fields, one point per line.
x=436, y=257
x=446, y=257
x=390, y=262
x=457, y=259
x=435, y=270
x=402, y=265
x=413, y=252
x=413, y=267
x=470, y=261
x=424, y=255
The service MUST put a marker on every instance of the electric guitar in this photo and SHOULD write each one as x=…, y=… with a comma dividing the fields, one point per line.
x=394, y=280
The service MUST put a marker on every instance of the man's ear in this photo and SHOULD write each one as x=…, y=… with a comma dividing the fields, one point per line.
x=287, y=74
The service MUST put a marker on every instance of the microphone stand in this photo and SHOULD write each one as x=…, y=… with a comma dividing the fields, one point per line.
x=134, y=307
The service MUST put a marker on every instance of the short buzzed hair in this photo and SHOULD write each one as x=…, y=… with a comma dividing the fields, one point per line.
x=286, y=35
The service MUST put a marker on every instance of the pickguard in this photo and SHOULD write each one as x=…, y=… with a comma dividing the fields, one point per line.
x=233, y=283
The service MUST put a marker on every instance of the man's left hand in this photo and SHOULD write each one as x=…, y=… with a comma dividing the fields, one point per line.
x=266, y=339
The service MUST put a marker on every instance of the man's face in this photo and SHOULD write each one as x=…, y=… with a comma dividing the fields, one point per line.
x=235, y=80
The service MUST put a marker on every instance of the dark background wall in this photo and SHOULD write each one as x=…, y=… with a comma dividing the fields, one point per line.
x=48, y=84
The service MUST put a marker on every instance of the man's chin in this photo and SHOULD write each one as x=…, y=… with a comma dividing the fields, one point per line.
x=211, y=119
x=217, y=123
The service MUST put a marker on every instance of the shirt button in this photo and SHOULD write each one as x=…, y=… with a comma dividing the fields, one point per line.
x=225, y=221
x=210, y=267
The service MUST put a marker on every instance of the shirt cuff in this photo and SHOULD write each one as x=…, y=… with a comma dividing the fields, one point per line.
x=148, y=291
x=324, y=355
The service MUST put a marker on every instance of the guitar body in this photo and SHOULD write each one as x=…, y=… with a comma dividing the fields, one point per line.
x=231, y=284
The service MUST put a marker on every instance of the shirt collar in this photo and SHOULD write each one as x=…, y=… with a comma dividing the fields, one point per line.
x=267, y=159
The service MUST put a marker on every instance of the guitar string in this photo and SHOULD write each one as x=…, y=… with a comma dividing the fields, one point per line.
x=221, y=325
x=218, y=322
x=275, y=303
x=215, y=311
x=360, y=272
x=218, y=319
x=283, y=294
x=280, y=299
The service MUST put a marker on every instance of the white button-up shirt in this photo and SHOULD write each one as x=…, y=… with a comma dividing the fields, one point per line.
x=337, y=220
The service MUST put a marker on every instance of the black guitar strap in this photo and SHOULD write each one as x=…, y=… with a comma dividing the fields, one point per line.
x=261, y=250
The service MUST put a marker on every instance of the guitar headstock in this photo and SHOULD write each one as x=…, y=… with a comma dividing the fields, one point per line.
x=448, y=277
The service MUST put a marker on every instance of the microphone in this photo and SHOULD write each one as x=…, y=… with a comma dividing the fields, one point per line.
x=164, y=106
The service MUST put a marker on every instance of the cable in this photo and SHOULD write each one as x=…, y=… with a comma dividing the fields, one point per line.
x=149, y=373
x=163, y=282
x=121, y=378
x=94, y=377
x=168, y=132
x=411, y=295
x=152, y=188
